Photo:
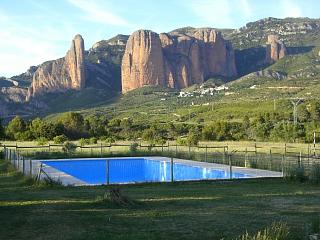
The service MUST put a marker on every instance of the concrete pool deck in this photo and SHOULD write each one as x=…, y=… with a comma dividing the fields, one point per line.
x=67, y=179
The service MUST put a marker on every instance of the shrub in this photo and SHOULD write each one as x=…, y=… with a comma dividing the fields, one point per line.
x=134, y=147
x=84, y=141
x=297, y=173
x=93, y=140
x=41, y=141
x=49, y=182
x=315, y=173
x=182, y=141
x=60, y=139
x=69, y=147
x=110, y=140
x=114, y=195
x=277, y=231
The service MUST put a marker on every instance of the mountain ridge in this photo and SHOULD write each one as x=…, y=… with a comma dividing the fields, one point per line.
x=301, y=36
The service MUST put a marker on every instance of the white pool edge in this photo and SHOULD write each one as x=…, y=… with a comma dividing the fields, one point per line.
x=67, y=179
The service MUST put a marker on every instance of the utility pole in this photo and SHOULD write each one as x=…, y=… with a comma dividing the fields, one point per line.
x=295, y=104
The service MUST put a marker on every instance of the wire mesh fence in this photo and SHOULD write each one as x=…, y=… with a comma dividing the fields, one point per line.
x=24, y=158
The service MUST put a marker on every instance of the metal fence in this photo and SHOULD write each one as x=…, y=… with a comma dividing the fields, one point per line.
x=24, y=158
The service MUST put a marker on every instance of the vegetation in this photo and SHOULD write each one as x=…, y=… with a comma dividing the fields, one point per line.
x=60, y=139
x=277, y=231
x=275, y=126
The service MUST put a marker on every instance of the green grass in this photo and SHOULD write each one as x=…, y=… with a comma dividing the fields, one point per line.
x=197, y=210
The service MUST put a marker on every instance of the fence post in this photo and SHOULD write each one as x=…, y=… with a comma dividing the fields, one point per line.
x=101, y=149
x=176, y=149
x=23, y=163
x=17, y=157
x=308, y=154
x=108, y=171
x=172, y=180
x=230, y=165
x=282, y=165
x=246, y=158
x=30, y=167
x=162, y=147
x=285, y=150
x=255, y=150
x=206, y=158
x=300, y=159
x=5, y=153
x=189, y=152
x=270, y=159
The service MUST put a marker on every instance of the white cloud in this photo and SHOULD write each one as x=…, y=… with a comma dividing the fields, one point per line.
x=96, y=13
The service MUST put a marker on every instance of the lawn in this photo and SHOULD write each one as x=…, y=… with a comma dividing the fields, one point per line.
x=197, y=210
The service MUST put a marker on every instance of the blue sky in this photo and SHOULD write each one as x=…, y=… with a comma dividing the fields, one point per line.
x=33, y=31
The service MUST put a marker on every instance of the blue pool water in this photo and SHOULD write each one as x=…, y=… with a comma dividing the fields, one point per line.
x=135, y=170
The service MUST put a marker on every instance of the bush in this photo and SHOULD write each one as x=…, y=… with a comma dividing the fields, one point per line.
x=277, y=231
x=297, y=173
x=115, y=196
x=84, y=142
x=69, y=147
x=60, y=139
x=41, y=141
x=134, y=147
x=110, y=140
x=93, y=140
x=315, y=173
x=182, y=141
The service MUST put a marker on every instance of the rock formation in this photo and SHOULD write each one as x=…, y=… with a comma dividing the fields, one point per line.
x=61, y=74
x=175, y=60
x=275, y=49
x=142, y=63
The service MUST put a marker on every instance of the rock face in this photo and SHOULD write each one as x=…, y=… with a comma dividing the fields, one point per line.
x=61, y=74
x=143, y=62
x=275, y=49
x=175, y=60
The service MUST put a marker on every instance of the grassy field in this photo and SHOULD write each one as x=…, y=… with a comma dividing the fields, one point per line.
x=239, y=146
x=198, y=210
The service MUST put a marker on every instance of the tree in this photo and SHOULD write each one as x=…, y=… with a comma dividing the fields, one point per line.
x=2, y=135
x=303, y=113
x=15, y=128
x=315, y=111
x=96, y=126
x=193, y=138
x=246, y=122
x=60, y=139
x=69, y=147
x=73, y=124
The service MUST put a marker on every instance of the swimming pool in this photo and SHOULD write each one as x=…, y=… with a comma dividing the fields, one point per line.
x=138, y=170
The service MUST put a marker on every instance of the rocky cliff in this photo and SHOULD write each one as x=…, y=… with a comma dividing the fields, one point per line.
x=61, y=74
x=175, y=60
x=275, y=49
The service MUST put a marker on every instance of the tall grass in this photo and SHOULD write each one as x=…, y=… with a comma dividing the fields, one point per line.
x=296, y=173
x=315, y=173
x=277, y=231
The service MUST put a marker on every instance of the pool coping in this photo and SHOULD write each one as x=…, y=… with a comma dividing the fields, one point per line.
x=67, y=179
